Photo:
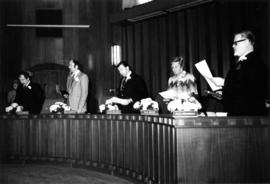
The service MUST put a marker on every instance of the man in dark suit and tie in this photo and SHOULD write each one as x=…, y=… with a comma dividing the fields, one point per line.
x=30, y=96
x=132, y=88
x=245, y=88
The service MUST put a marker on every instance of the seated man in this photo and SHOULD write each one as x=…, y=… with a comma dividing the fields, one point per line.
x=30, y=96
x=132, y=88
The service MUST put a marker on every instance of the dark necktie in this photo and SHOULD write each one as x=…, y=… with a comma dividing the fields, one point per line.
x=123, y=83
x=72, y=80
x=238, y=65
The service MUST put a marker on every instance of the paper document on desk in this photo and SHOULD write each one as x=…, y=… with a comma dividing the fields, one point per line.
x=169, y=94
x=204, y=70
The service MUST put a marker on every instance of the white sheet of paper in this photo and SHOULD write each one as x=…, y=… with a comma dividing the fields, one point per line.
x=204, y=70
x=169, y=94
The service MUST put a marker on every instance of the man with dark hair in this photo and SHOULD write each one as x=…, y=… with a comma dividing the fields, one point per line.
x=132, y=88
x=77, y=87
x=245, y=88
x=29, y=96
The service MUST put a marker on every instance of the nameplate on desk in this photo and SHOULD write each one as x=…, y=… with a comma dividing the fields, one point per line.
x=185, y=113
x=149, y=112
x=113, y=112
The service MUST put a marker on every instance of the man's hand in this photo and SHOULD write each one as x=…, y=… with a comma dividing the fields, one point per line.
x=117, y=100
x=218, y=81
x=79, y=111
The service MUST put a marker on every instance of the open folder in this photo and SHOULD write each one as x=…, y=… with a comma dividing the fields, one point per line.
x=169, y=94
x=204, y=70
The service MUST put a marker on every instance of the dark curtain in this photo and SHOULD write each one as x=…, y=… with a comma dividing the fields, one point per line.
x=203, y=32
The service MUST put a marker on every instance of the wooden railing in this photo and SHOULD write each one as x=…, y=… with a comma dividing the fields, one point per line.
x=147, y=149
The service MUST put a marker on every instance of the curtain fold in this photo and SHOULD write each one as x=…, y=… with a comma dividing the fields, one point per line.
x=203, y=32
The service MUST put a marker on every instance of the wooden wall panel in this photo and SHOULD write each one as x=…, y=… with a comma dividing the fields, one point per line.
x=3, y=76
x=90, y=46
x=218, y=156
x=147, y=149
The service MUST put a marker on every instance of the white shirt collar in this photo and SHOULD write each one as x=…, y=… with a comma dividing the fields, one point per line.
x=27, y=84
x=75, y=74
x=243, y=57
x=128, y=76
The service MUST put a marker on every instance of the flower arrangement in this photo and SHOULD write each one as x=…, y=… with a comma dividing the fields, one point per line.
x=147, y=106
x=14, y=108
x=59, y=107
x=109, y=107
x=76, y=78
x=184, y=104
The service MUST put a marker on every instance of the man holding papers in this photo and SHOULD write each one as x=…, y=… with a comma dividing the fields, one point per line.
x=245, y=86
x=132, y=88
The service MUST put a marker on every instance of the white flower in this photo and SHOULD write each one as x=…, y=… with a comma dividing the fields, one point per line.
x=66, y=107
x=19, y=109
x=128, y=77
x=146, y=104
x=57, y=106
x=137, y=105
x=53, y=107
x=190, y=104
x=102, y=107
x=242, y=58
x=29, y=87
x=110, y=107
x=14, y=105
x=155, y=105
x=9, y=108
x=76, y=79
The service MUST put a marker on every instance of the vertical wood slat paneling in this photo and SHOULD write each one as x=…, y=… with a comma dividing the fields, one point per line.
x=219, y=155
x=124, y=145
x=3, y=76
x=3, y=142
x=21, y=48
x=203, y=32
x=208, y=154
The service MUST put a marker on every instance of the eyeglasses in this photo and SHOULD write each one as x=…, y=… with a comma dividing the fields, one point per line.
x=236, y=42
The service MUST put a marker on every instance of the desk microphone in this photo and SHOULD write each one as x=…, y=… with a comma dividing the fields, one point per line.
x=214, y=94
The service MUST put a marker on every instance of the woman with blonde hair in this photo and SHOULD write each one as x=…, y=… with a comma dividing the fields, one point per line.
x=181, y=85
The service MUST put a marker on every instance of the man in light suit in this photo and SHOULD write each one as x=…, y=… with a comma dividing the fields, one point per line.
x=77, y=87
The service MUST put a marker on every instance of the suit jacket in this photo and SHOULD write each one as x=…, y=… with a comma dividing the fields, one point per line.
x=78, y=91
x=30, y=97
x=246, y=87
x=134, y=88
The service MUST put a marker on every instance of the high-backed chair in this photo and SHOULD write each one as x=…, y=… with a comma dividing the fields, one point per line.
x=49, y=75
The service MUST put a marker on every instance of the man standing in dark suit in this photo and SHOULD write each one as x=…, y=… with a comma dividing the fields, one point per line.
x=30, y=96
x=132, y=88
x=245, y=89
